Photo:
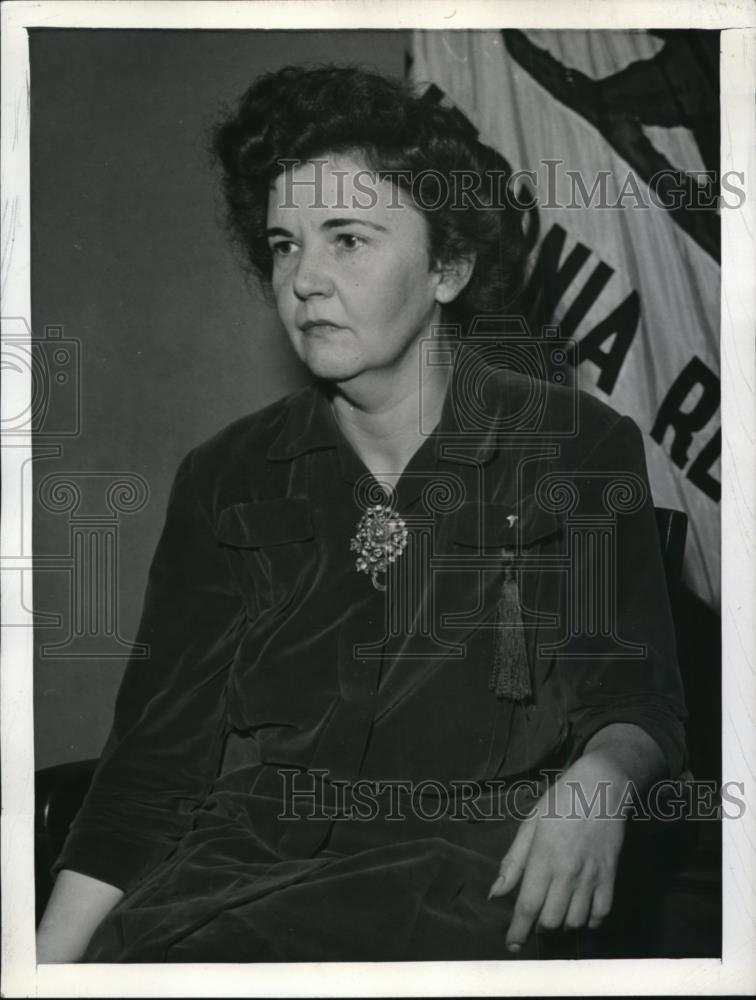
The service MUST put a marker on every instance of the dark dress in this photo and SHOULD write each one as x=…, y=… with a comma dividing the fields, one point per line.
x=281, y=683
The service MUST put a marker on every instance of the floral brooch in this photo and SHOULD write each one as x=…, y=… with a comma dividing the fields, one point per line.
x=380, y=539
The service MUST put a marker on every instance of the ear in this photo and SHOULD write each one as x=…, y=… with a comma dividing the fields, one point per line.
x=453, y=277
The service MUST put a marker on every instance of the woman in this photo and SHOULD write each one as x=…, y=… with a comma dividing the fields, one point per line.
x=359, y=602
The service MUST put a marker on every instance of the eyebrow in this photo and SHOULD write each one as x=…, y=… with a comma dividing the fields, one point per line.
x=276, y=231
x=337, y=223
x=329, y=224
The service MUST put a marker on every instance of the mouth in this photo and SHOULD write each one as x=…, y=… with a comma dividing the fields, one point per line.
x=319, y=324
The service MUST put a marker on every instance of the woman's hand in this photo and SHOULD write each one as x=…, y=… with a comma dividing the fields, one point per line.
x=564, y=857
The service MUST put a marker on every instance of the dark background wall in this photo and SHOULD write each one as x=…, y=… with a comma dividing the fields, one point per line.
x=130, y=259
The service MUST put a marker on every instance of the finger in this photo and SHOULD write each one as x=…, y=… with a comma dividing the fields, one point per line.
x=582, y=898
x=513, y=863
x=530, y=899
x=556, y=904
x=602, y=902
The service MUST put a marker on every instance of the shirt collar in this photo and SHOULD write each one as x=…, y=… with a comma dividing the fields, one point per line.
x=464, y=431
x=309, y=425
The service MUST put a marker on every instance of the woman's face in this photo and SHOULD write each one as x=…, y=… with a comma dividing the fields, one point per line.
x=352, y=278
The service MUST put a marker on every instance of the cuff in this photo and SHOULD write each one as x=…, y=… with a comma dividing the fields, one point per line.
x=117, y=860
x=665, y=728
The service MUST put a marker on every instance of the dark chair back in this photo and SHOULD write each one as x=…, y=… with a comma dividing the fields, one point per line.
x=672, y=526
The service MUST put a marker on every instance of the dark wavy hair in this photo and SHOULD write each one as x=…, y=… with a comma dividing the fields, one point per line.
x=298, y=114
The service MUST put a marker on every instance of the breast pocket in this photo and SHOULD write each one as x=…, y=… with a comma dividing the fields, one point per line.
x=496, y=526
x=271, y=544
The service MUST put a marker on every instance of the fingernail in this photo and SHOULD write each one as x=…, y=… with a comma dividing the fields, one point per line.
x=498, y=887
x=513, y=947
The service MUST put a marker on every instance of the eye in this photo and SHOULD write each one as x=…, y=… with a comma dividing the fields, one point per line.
x=349, y=241
x=283, y=248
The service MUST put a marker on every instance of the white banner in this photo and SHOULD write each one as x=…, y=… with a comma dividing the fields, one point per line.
x=603, y=122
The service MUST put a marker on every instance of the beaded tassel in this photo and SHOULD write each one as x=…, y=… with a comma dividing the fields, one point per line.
x=510, y=673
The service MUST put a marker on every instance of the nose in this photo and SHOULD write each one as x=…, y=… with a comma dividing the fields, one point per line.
x=311, y=276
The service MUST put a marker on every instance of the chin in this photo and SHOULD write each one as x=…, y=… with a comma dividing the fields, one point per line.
x=332, y=369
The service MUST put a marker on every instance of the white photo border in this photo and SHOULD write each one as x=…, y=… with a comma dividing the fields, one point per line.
x=736, y=972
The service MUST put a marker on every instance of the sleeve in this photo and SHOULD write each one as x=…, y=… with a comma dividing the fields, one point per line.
x=621, y=660
x=164, y=749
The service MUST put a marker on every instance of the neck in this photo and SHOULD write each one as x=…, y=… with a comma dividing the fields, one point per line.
x=387, y=427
